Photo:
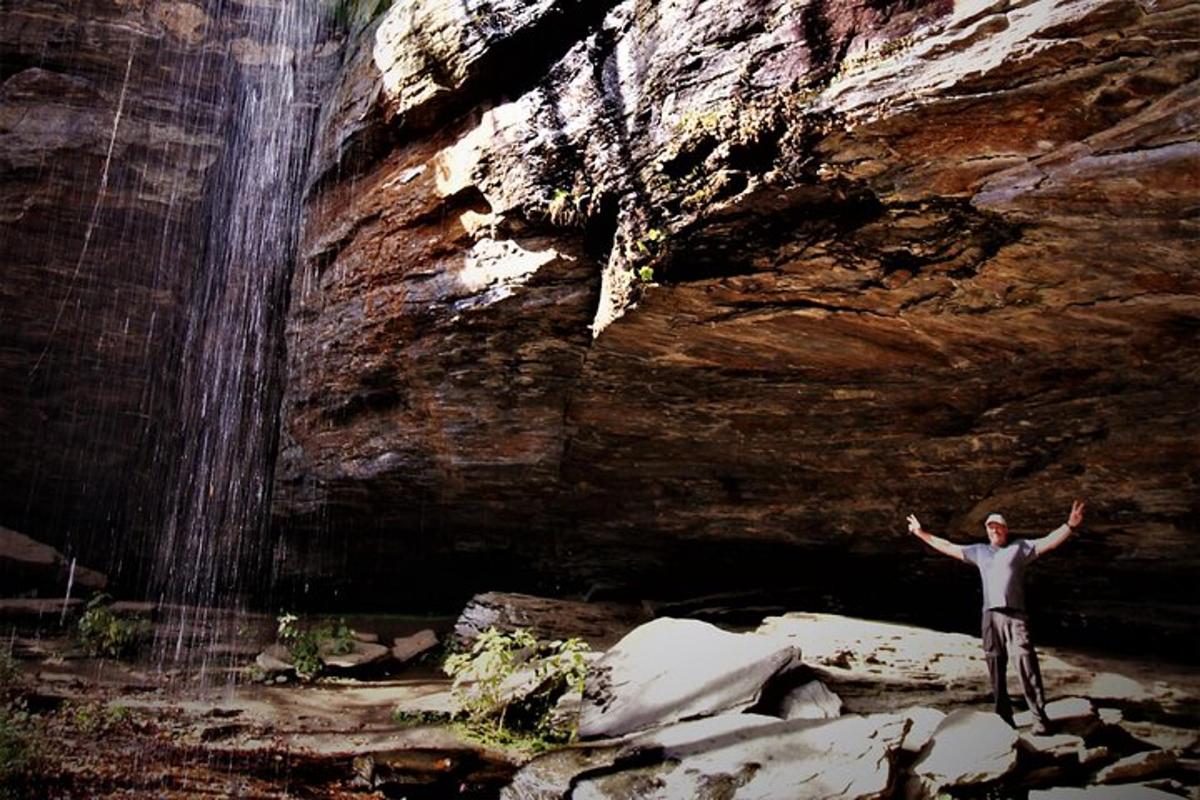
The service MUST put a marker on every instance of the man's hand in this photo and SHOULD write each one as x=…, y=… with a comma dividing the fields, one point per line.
x=1076, y=517
x=1063, y=532
x=937, y=543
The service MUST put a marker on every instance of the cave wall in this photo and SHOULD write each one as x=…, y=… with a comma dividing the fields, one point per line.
x=903, y=257
x=114, y=117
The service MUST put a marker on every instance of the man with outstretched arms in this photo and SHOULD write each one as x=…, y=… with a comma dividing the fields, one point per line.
x=1005, y=618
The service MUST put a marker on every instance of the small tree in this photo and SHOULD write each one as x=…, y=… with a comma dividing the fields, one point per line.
x=483, y=678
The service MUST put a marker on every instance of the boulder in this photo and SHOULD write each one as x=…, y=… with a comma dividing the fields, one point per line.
x=274, y=660
x=407, y=648
x=1074, y=715
x=1163, y=737
x=1057, y=746
x=812, y=700
x=28, y=565
x=551, y=776
x=362, y=655
x=599, y=624
x=1151, y=763
x=924, y=721
x=1114, y=687
x=754, y=757
x=968, y=748
x=672, y=669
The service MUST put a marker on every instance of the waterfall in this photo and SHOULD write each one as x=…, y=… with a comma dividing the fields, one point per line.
x=212, y=549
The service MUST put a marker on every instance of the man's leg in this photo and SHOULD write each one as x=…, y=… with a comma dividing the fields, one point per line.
x=1030, y=674
x=997, y=662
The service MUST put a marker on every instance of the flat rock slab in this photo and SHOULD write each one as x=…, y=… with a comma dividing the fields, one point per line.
x=968, y=748
x=409, y=647
x=1056, y=746
x=924, y=721
x=599, y=624
x=362, y=655
x=672, y=669
x=26, y=563
x=1151, y=763
x=1074, y=715
x=753, y=757
x=33, y=610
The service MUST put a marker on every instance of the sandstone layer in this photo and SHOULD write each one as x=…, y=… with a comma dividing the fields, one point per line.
x=668, y=297
x=115, y=116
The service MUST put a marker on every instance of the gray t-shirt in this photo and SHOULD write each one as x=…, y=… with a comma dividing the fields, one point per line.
x=1003, y=572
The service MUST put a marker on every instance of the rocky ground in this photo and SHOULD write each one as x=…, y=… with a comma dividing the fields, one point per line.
x=803, y=705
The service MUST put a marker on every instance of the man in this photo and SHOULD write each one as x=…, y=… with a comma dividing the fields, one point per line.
x=1005, y=618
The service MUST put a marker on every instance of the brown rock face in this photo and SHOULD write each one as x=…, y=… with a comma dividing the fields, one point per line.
x=113, y=117
x=901, y=258
x=101, y=179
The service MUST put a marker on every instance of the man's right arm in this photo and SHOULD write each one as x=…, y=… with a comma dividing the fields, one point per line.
x=936, y=542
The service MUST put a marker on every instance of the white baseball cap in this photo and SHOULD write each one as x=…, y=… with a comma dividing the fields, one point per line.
x=994, y=518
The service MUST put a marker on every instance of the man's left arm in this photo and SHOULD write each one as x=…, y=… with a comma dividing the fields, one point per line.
x=1060, y=534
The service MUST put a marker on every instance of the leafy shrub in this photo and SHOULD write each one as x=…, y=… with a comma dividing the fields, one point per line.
x=482, y=684
x=17, y=745
x=414, y=718
x=106, y=634
x=305, y=644
x=93, y=718
x=10, y=673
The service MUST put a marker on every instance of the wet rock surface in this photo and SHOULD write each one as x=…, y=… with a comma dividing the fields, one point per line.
x=27, y=565
x=385, y=735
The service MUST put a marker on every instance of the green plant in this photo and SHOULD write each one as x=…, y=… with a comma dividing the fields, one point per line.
x=302, y=645
x=106, y=634
x=482, y=685
x=306, y=644
x=414, y=718
x=567, y=208
x=93, y=718
x=17, y=742
x=350, y=13
x=340, y=637
x=10, y=673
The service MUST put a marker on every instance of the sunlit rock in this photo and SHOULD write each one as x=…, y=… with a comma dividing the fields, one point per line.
x=968, y=748
x=895, y=254
x=752, y=757
x=673, y=669
x=924, y=721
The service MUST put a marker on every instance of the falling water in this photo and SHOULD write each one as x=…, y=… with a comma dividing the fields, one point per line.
x=212, y=549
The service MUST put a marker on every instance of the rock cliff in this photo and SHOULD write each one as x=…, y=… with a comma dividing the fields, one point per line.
x=114, y=119
x=671, y=297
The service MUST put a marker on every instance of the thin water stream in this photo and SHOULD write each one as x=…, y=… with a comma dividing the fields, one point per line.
x=218, y=454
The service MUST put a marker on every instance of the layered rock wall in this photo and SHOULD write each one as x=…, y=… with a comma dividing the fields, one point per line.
x=678, y=297
x=114, y=119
